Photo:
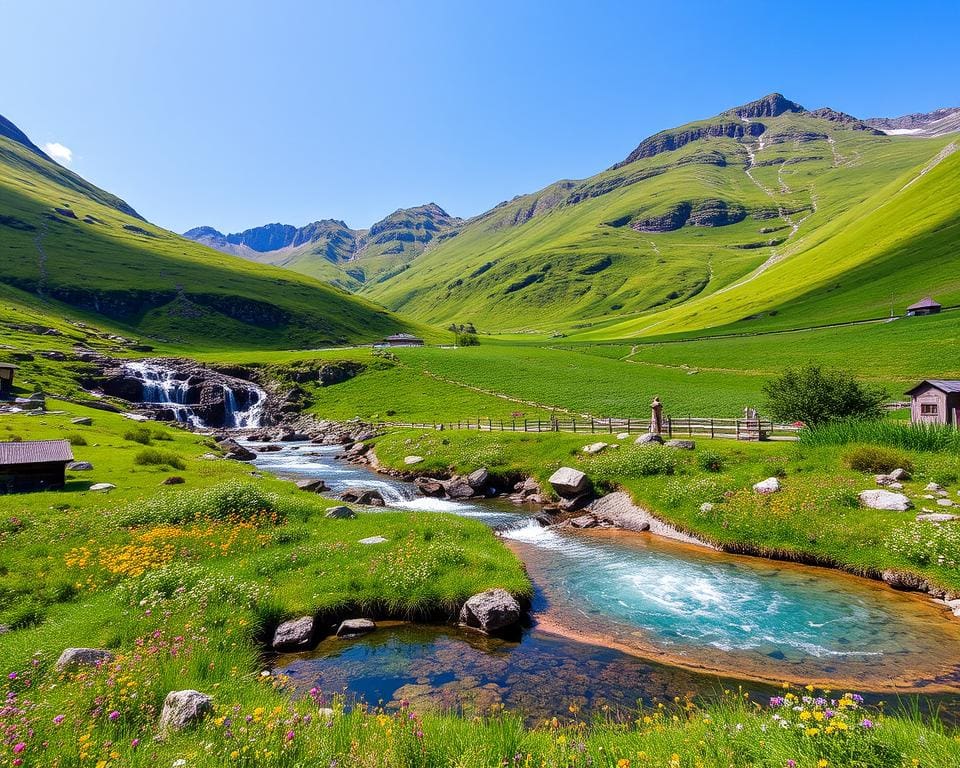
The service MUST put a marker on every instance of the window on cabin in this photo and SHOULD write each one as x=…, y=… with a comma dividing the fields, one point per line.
x=928, y=409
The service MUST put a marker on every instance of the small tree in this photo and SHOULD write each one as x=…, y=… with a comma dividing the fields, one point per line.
x=464, y=335
x=816, y=395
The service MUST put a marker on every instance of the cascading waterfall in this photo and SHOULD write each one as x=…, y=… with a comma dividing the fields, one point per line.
x=162, y=389
x=237, y=417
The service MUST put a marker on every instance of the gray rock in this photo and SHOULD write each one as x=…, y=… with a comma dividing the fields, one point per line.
x=458, y=488
x=885, y=500
x=478, y=479
x=623, y=436
x=706, y=507
x=528, y=487
x=373, y=540
x=236, y=451
x=340, y=513
x=294, y=635
x=899, y=475
x=410, y=460
x=429, y=487
x=79, y=466
x=944, y=502
x=367, y=496
x=569, y=482
x=594, y=448
x=355, y=627
x=83, y=657
x=312, y=486
x=683, y=445
x=933, y=487
x=182, y=709
x=650, y=438
x=102, y=487
x=490, y=611
x=770, y=485
x=82, y=421
x=937, y=517
x=576, y=502
x=584, y=521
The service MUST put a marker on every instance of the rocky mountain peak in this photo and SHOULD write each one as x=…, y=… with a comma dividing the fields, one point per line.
x=771, y=105
x=10, y=131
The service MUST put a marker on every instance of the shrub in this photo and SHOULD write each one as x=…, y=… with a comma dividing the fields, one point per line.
x=138, y=435
x=815, y=395
x=637, y=462
x=156, y=457
x=76, y=439
x=876, y=458
x=710, y=461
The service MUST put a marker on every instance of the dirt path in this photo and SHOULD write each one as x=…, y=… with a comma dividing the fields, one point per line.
x=942, y=155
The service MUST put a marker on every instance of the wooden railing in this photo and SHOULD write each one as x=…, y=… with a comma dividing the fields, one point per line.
x=673, y=427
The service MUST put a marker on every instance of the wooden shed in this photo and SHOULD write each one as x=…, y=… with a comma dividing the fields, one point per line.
x=926, y=306
x=403, y=340
x=38, y=465
x=6, y=378
x=935, y=401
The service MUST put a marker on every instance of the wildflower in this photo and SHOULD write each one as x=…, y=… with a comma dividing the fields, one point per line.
x=623, y=763
x=791, y=763
x=113, y=716
x=866, y=723
x=19, y=747
x=58, y=719
x=821, y=763
x=290, y=735
x=135, y=743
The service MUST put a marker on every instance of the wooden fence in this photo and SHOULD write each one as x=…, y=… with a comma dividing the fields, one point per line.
x=673, y=427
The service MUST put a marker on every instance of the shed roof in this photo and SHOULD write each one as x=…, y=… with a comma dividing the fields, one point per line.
x=403, y=337
x=925, y=303
x=35, y=452
x=9, y=365
x=944, y=385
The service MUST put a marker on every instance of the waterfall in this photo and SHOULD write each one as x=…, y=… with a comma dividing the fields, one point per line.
x=243, y=417
x=161, y=388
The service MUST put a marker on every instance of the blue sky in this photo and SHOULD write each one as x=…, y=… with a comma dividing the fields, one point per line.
x=236, y=114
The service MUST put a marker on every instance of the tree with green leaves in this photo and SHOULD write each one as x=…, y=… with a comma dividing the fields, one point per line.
x=816, y=395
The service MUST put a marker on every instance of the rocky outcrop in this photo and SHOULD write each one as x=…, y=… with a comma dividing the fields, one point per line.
x=617, y=510
x=668, y=141
x=771, y=105
x=366, y=496
x=698, y=213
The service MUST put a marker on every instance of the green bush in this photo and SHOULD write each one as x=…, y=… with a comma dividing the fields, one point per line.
x=640, y=461
x=138, y=435
x=876, y=458
x=816, y=395
x=710, y=461
x=157, y=457
x=76, y=439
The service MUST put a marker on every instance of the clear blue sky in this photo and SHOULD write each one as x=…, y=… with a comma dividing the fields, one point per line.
x=236, y=114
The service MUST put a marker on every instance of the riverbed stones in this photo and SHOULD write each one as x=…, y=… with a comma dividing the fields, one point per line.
x=102, y=487
x=355, y=627
x=651, y=438
x=770, y=485
x=79, y=466
x=885, y=500
x=236, y=451
x=429, y=487
x=584, y=521
x=458, y=488
x=937, y=517
x=595, y=448
x=490, y=611
x=683, y=445
x=72, y=658
x=340, y=513
x=478, y=479
x=569, y=482
x=411, y=460
x=368, y=496
x=182, y=709
x=294, y=635
x=271, y=448
x=315, y=485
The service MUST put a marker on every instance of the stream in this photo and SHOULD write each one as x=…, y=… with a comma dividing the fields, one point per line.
x=620, y=617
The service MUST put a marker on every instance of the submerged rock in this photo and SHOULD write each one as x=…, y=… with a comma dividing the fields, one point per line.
x=490, y=611
x=355, y=627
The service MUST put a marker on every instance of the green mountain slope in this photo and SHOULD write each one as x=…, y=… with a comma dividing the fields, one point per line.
x=69, y=247
x=689, y=212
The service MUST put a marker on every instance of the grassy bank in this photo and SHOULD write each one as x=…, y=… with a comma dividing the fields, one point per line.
x=816, y=516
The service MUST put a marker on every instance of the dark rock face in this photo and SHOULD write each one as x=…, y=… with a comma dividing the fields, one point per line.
x=668, y=141
x=673, y=219
x=771, y=105
x=849, y=121
x=700, y=213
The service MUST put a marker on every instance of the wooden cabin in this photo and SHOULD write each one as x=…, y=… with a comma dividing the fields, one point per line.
x=926, y=306
x=935, y=401
x=6, y=378
x=39, y=465
x=403, y=340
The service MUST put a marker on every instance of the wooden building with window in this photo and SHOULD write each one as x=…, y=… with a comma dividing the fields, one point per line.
x=6, y=378
x=926, y=306
x=935, y=401
x=402, y=340
x=38, y=465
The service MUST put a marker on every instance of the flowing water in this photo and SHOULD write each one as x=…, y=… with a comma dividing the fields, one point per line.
x=625, y=595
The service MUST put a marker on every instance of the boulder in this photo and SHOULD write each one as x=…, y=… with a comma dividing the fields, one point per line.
x=79, y=466
x=182, y=709
x=490, y=611
x=899, y=475
x=357, y=449
x=906, y=581
x=429, y=487
x=410, y=460
x=269, y=448
x=584, y=521
x=933, y=487
x=294, y=635
x=368, y=496
x=770, y=485
x=651, y=438
x=623, y=436
x=83, y=421
x=569, y=482
x=173, y=480
x=355, y=627
x=373, y=540
x=576, y=502
x=236, y=451
x=594, y=448
x=312, y=486
x=937, y=517
x=944, y=503
x=340, y=513
x=478, y=479
x=459, y=488
x=83, y=657
x=683, y=445
x=528, y=487
x=293, y=437
x=886, y=500
x=102, y=487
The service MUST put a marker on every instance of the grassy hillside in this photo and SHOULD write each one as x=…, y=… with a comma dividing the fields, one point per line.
x=83, y=252
x=691, y=212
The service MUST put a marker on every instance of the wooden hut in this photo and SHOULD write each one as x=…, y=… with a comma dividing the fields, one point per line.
x=6, y=378
x=935, y=401
x=39, y=465
x=926, y=306
x=403, y=340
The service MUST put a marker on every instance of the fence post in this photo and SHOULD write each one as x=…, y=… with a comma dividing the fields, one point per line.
x=670, y=426
x=592, y=427
x=711, y=428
